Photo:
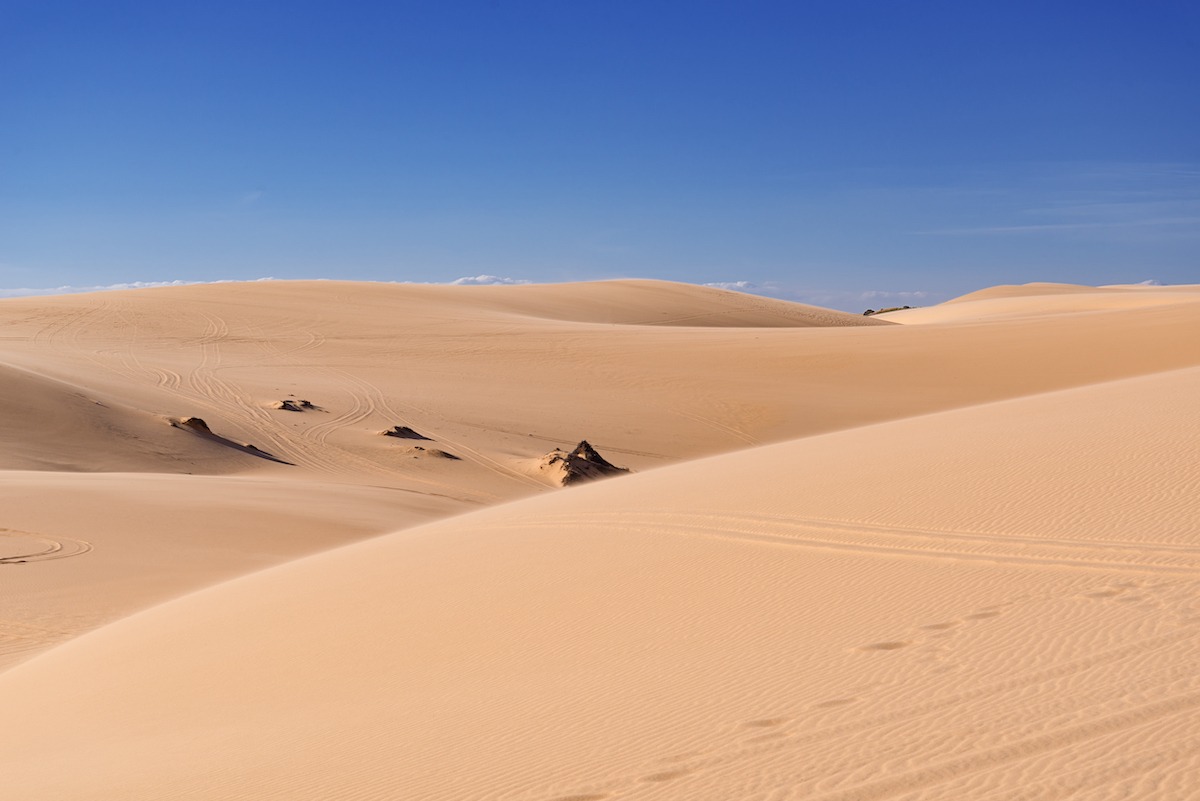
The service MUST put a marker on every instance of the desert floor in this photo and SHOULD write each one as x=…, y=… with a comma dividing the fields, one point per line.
x=940, y=553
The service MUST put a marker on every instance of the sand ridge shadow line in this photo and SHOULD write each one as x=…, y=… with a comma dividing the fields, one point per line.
x=244, y=447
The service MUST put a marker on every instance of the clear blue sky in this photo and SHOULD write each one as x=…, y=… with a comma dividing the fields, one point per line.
x=819, y=150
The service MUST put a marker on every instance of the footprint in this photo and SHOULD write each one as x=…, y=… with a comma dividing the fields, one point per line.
x=765, y=723
x=665, y=776
x=834, y=702
x=1103, y=594
x=941, y=626
x=982, y=615
x=886, y=646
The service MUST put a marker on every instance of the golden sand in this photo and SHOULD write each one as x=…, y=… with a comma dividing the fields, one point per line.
x=940, y=553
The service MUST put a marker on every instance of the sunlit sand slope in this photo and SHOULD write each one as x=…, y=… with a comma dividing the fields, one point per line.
x=1039, y=300
x=643, y=302
x=649, y=372
x=80, y=550
x=998, y=602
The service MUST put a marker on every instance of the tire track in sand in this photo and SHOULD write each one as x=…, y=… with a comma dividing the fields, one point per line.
x=51, y=548
x=912, y=542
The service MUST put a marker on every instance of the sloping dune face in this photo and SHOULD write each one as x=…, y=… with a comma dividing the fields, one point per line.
x=953, y=617
x=1040, y=300
x=950, y=558
x=53, y=425
x=78, y=550
x=640, y=302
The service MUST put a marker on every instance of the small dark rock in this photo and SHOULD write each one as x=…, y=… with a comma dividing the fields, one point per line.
x=403, y=432
x=195, y=424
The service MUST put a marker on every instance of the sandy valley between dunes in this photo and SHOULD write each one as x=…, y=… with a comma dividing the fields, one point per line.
x=941, y=553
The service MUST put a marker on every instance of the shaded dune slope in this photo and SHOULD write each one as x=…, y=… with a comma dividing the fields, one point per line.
x=51, y=425
x=642, y=302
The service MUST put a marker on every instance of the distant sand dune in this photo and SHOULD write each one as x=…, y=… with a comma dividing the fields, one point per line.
x=471, y=368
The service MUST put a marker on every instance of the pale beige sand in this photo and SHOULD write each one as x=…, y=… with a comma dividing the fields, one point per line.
x=985, y=583
x=79, y=550
x=1036, y=300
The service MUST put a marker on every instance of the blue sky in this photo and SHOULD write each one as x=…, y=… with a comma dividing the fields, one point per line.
x=848, y=153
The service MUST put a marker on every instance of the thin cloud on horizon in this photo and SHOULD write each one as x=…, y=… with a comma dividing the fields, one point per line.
x=846, y=300
x=21, y=292
x=1037, y=227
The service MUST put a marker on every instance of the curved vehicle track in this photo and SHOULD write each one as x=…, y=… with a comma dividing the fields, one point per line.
x=47, y=548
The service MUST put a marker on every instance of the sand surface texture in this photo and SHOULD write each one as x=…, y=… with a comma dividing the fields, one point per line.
x=942, y=553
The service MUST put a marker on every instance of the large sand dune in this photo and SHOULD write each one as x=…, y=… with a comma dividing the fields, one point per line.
x=967, y=567
x=1037, y=300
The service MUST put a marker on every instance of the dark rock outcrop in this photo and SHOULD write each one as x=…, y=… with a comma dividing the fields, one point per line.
x=584, y=463
x=195, y=424
x=403, y=432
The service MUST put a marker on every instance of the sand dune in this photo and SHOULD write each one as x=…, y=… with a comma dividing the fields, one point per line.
x=967, y=566
x=1039, y=300
x=1032, y=290
x=476, y=370
x=1041, y=289
x=975, y=625
x=142, y=539
x=51, y=425
x=642, y=302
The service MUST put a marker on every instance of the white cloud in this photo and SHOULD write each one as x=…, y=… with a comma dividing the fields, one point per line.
x=67, y=290
x=846, y=300
x=487, y=280
x=855, y=301
x=872, y=294
x=735, y=286
x=1036, y=228
x=469, y=280
x=72, y=290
